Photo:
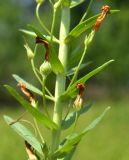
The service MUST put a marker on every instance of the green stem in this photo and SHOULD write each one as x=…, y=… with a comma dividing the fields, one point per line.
x=85, y=14
x=53, y=23
x=40, y=21
x=60, y=79
x=87, y=42
x=39, y=79
x=75, y=122
x=44, y=98
x=35, y=72
x=38, y=130
x=42, y=24
x=79, y=64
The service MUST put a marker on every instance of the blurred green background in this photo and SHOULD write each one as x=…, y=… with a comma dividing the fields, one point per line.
x=110, y=139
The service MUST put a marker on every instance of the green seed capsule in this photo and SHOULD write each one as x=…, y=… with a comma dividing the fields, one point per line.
x=45, y=69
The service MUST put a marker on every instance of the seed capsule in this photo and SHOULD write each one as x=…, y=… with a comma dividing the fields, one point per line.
x=45, y=69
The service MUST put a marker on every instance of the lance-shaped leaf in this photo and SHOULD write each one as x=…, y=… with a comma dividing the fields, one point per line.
x=56, y=65
x=72, y=141
x=24, y=133
x=35, y=112
x=33, y=34
x=72, y=70
x=71, y=91
x=28, y=85
x=28, y=32
x=72, y=116
x=36, y=31
x=75, y=3
x=82, y=27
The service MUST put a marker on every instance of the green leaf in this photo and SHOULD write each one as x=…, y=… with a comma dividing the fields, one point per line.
x=95, y=122
x=36, y=31
x=70, y=92
x=30, y=33
x=72, y=141
x=75, y=3
x=35, y=112
x=69, y=143
x=25, y=134
x=28, y=85
x=56, y=65
x=72, y=70
x=82, y=27
x=72, y=116
x=33, y=34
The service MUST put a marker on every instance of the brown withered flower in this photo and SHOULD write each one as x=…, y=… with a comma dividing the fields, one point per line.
x=26, y=91
x=46, y=45
x=79, y=99
x=30, y=151
x=105, y=11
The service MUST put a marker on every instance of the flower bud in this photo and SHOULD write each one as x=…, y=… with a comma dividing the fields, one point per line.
x=89, y=38
x=40, y=1
x=45, y=69
x=30, y=54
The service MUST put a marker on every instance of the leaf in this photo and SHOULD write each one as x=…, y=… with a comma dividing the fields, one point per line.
x=75, y=3
x=72, y=116
x=28, y=85
x=69, y=144
x=35, y=112
x=36, y=31
x=30, y=33
x=56, y=65
x=72, y=141
x=72, y=89
x=72, y=70
x=24, y=133
x=82, y=27
x=70, y=155
x=95, y=122
x=33, y=34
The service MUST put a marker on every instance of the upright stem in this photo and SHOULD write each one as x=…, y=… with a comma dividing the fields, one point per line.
x=60, y=79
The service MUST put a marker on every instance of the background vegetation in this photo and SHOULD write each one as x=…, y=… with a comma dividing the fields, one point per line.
x=110, y=139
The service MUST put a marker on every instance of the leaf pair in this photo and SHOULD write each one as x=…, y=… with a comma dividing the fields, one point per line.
x=70, y=143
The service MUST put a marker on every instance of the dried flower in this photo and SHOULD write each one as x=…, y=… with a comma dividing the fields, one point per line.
x=46, y=45
x=105, y=10
x=78, y=102
x=79, y=99
x=30, y=151
x=27, y=92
